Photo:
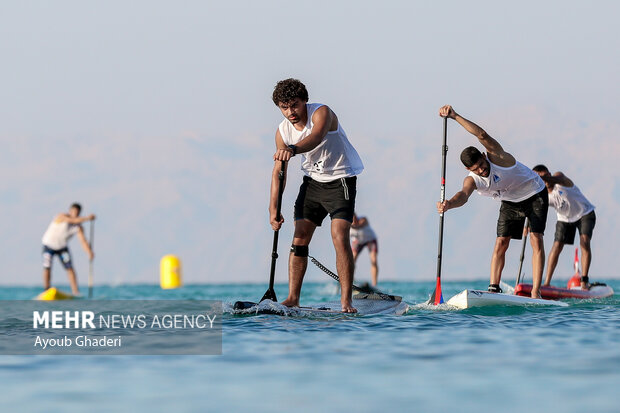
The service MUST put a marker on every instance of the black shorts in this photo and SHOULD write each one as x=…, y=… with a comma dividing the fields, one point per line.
x=317, y=199
x=565, y=231
x=512, y=215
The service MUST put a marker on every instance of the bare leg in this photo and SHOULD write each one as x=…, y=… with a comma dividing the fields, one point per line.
x=304, y=230
x=556, y=249
x=344, y=262
x=586, y=257
x=47, y=276
x=73, y=281
x=499, y=257
x=374, y=267
x=538, y=262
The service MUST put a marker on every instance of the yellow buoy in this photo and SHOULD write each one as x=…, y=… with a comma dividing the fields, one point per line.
x=170, y=272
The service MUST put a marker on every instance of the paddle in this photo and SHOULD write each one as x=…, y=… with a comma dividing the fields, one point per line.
x=270, y=294
x=91, y=242
x=522, y=253
x=437, y=297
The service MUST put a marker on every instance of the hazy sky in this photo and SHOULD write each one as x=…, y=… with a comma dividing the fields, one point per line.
x=157, y=116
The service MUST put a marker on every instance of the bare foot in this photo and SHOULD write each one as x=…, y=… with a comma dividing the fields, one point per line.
x=289, y=302
x=536, y=294
x=347, y=307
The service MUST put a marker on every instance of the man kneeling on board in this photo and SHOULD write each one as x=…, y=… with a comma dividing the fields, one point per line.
x=574, y=211
x=330, y=165
x=55, y=242
x=497, y=174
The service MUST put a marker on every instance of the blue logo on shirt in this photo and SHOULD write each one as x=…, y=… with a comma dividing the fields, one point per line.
x=496, y=178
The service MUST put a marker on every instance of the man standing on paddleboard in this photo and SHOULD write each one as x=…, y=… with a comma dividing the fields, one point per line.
x=55, y=242
x=330, y=165
x=363, y=236
x=574, y=211
x=522, y=192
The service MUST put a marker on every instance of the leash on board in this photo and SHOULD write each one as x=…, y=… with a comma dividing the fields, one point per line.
x=373, y=295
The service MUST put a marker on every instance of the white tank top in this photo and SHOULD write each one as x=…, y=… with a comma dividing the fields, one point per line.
x=569, y=203
x=58, y=234
x=515, y=183
x=362, y=235
x=332, y=159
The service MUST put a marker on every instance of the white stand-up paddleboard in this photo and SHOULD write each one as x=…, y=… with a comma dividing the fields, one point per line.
x=477, y=298
x=363, y=304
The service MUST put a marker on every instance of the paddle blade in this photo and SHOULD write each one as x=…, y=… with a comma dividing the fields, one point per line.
x=243, y=305
x=270, y=295
x=437, y=297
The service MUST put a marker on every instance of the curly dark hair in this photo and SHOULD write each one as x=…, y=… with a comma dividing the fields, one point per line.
x=470, y=156
x=288, y=89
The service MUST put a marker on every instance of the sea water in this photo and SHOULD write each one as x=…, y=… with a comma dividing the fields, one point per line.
x=433, y=359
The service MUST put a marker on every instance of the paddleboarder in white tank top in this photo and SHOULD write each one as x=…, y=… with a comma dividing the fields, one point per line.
x=574, y=212
x=330, y=165
x=55, y=242
x=521, y=191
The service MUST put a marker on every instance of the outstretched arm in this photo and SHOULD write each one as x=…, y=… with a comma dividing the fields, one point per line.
x=84, y=243
x=323, y=120
x=460, y=198
x=495, y=152
x=76, y=220
x=558, y=178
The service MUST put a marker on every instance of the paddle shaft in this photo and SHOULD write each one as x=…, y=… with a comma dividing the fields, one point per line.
x=437, y=297
x=271, y=294
x=91, y=243
x=522, y=253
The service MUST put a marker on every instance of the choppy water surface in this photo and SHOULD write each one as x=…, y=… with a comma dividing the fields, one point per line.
x=431, y=359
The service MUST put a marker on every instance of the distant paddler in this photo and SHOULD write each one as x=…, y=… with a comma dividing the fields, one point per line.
x=574, y=212
x=363, y=236
x=330, y=165
x=55, y=242
x=522, y=192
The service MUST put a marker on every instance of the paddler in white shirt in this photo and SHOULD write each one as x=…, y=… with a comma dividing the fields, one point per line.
x=363, y=236
x=522, y=193
x=55, y=242
x=574, y=211
x=330, y=165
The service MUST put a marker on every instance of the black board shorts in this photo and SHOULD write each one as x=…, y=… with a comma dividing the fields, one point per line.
x=317, y=199
x=512, y=215
x=565, y=231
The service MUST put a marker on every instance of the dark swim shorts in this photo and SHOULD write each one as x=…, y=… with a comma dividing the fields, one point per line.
x=317, y=199
x=512, y=215
x=63, y=254
x=565, y=231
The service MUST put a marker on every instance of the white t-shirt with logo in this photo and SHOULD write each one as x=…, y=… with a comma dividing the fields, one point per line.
x=332, y=159
x=515, y=183
x=569, y=203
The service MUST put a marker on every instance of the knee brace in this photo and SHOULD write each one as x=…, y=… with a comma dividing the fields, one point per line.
x=299, y=250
